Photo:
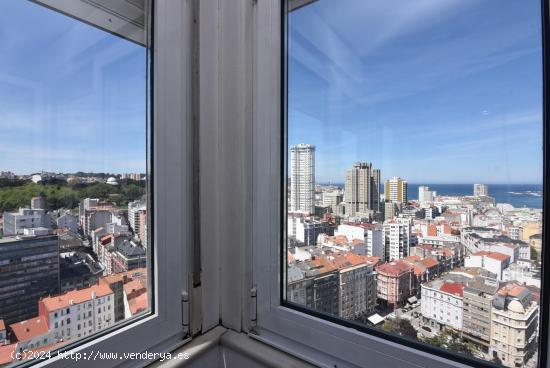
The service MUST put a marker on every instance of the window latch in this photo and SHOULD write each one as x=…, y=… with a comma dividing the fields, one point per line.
x=253, y=308
x=185, y=312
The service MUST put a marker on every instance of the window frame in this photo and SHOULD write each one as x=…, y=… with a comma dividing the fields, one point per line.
x=170, y=201
x=315, y=337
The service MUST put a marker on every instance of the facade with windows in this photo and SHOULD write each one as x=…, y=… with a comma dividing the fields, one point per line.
x=29, y=270
x=78, y=313
x=302, y=178
x=514, y=325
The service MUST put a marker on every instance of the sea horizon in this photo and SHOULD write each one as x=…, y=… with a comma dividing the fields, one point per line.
x=518, y=195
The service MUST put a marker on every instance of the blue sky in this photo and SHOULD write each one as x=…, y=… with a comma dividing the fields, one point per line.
x=434, y=91
x=72, y=97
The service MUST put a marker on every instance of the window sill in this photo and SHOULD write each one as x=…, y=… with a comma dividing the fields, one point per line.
x=221, y=347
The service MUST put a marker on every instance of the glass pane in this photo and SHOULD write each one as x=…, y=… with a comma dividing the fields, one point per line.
x=74, y=246
x=414, y=171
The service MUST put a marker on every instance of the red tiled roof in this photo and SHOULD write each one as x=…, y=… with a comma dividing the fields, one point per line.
x=6, y=352
x=444, y=251
x=429, y=262
x=75, y=297
x=138, y=304
x=455, y=288
x=372, y=259
x=2, y=325
x=498, y=256
x=30, y=328
x=425, y=246
x=137, y=273
x=289, y=257
x=322, y=264
x=395, y=268
x=133, y=286
x=481, y=253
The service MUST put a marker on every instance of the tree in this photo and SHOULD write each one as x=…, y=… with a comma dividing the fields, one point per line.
x=400, y=327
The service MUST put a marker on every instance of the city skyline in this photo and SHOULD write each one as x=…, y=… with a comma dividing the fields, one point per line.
x=421, y=97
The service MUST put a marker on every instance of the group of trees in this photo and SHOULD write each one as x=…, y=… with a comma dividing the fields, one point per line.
x=399, y=326
x=64, y=195
x=451, y=340
x=447, y=339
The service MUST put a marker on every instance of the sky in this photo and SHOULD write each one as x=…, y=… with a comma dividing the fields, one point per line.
x=433, y=91
x=72, y=97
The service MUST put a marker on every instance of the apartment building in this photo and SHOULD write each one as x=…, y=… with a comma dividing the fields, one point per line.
x=16, y=222
x=477, y=307
x=514, y=325
x=396, y=190
x=135, y=209
x=78, y=313
x=357, y=286
x=370, y=235
x=394, y=283
x=31, y=334
x=397, y=239
x=494, y=262
x=362, y=190
x=116, y=283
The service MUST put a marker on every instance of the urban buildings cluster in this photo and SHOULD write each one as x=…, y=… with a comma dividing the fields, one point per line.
x=86, y=178
x=460, y=264
x=66, y=274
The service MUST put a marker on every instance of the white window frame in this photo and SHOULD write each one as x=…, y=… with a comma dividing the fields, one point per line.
x=310, y=338
x=163, y=329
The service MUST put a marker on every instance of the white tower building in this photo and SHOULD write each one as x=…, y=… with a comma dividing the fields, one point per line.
x=302, y=178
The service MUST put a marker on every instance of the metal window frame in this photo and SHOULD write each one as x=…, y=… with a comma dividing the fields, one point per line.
x=320, y=339
x=170, y=162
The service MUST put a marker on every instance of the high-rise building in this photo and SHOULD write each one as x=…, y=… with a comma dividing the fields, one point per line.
x=481, y=190
x=135, y=209
x=362, y=189
x=397, y=240
x=30, y=271
x=396, y=190
x=302, y=178
x=425, y=194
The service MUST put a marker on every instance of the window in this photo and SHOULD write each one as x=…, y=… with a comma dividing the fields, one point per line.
x=412, y=136
x=407, y=133
x=79, y=153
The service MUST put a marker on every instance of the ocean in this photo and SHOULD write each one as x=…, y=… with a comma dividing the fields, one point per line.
x=518, y=195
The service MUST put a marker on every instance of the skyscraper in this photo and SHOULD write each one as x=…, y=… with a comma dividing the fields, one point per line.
x=425, y=194
x=481, y=190
x=362, y=189
x=395, y=190
x=302, y=178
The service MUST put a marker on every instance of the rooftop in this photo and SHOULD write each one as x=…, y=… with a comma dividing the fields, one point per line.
x=395, y=268
x=454, y=288
x=75, y=297
x=30, y=328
